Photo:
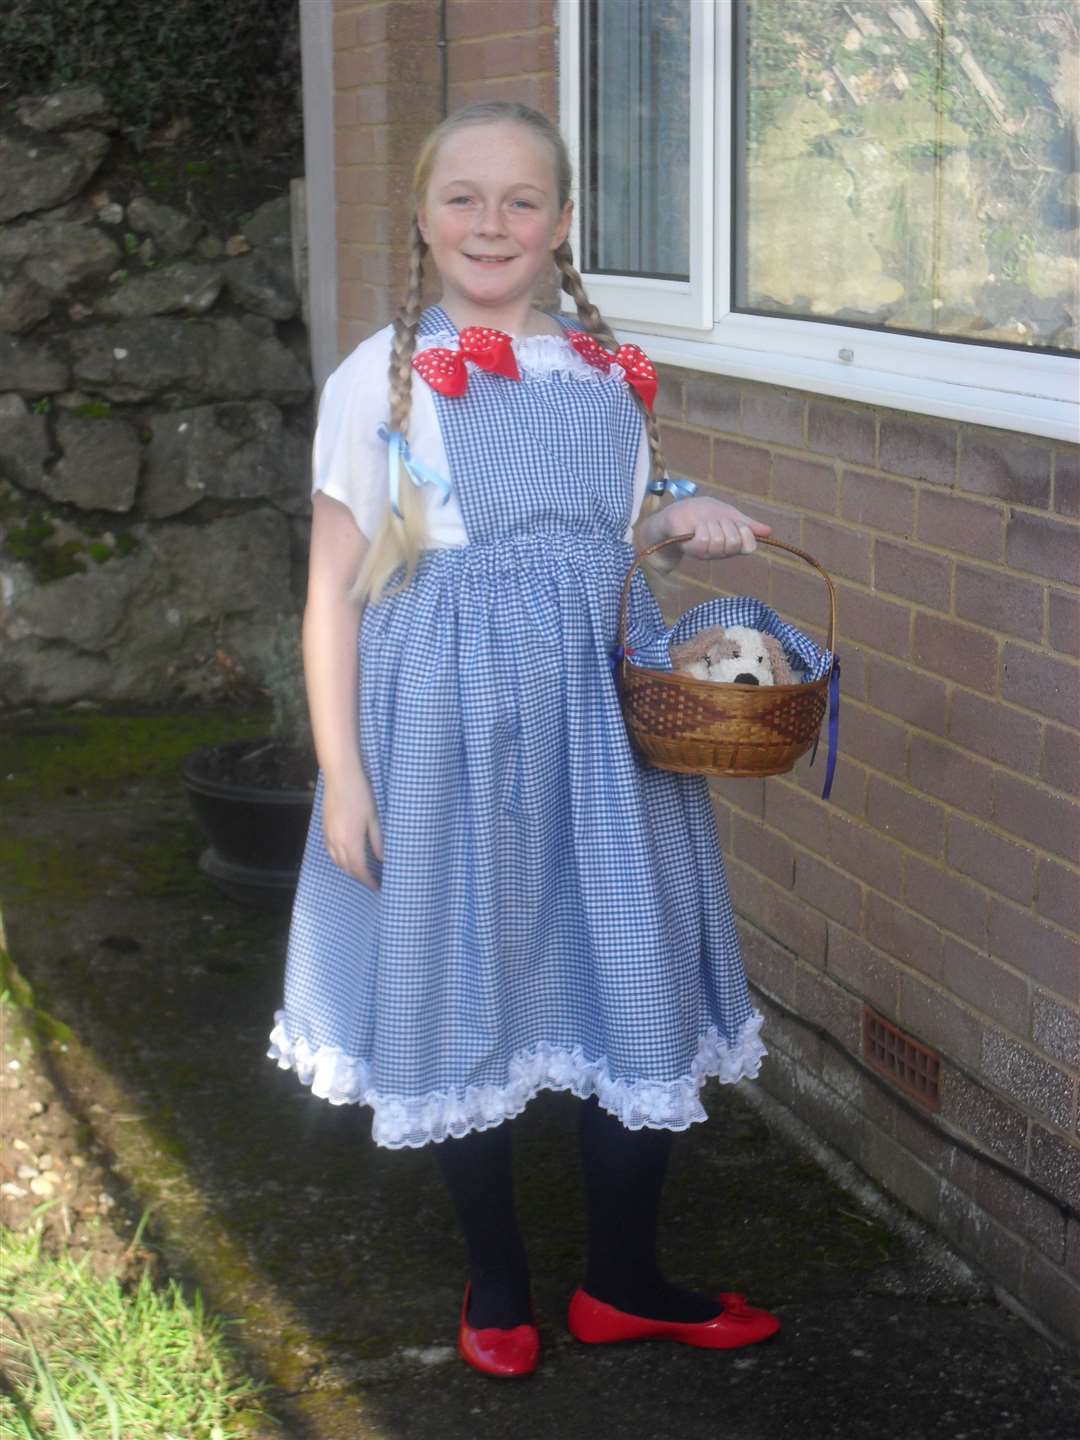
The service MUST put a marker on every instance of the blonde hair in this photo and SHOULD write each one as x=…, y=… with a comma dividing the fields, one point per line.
x=399, y=539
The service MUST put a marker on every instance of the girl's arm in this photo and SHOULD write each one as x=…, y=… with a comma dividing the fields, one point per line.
x=718, y=530
x=331, y=617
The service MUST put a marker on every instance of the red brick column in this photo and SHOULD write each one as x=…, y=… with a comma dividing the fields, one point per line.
x=387, y=95
x=503, y=50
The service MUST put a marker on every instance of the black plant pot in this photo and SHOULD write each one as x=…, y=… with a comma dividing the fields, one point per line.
x=256, y=833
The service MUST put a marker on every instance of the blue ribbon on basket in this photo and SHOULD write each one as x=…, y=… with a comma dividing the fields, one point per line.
x=834, y=728
x=681, y=489
x=400, y=457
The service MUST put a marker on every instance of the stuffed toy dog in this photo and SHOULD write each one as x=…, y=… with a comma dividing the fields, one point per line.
x=736, y=654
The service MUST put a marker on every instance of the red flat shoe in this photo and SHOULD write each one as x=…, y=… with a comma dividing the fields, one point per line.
x=503, y=1353
x=737, y=1324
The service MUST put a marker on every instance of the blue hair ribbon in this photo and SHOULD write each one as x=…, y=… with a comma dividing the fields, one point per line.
x=400, y=456
x=681, y=489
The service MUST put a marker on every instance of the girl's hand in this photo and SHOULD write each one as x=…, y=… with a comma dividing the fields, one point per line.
x=351, y=827
x=719, y=529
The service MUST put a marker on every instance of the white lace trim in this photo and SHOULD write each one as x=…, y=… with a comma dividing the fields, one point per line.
x=398, y=1123
x=537, y=355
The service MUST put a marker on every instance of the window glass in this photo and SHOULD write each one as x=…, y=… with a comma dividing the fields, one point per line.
x=636, y=130
x=911, y=164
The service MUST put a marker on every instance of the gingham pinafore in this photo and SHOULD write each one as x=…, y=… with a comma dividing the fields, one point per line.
x=552, y=913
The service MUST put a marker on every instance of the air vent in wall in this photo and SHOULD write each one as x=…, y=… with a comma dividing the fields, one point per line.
x=908, y=1064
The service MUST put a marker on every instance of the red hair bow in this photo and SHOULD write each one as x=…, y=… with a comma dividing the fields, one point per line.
x=639, y=370
x=446, y=371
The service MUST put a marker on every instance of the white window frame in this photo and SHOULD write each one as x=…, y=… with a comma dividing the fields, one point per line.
x=663, y=303
x=693, y=326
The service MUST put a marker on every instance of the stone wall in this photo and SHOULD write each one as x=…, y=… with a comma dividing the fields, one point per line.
x=154, y=427
x=940, y=887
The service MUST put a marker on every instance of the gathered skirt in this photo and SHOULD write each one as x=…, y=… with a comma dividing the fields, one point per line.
x=553, y=913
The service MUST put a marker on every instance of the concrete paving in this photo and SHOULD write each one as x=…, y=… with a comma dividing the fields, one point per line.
x=342, y=1262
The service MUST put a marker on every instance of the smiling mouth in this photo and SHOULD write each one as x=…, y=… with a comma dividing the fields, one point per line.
x=489, y=259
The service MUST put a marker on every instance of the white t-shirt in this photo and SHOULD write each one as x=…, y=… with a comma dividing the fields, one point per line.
x=349, y=461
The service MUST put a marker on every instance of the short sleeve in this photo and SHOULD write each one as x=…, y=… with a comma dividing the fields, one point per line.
x=348, y=458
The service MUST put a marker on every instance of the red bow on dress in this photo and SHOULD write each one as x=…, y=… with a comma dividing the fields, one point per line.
x=446, y=371
x=639, y=370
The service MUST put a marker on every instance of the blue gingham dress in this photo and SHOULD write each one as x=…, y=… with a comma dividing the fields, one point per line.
x=552, y=914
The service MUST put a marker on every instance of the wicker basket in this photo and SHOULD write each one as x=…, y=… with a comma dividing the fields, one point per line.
x=699, y=727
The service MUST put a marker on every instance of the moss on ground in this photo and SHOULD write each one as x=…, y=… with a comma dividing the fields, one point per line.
x=164, y=860
x=21, y=1010
x=36, y=868
x=94, y=754
x=32, y=866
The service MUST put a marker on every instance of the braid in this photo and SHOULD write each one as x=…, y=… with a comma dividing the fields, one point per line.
x=595, y=324
x=406, y=323
x=398, y=540
x=574, y=286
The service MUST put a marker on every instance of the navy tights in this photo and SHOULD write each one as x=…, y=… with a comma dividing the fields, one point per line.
x=478, y=1172
x=624, y=1174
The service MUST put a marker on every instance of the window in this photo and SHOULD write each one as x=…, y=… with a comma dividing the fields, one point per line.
x=877, y=201
x=636, y=143
x=643, y=135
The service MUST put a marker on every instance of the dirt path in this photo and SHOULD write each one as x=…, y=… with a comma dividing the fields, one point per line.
x=50, y=1168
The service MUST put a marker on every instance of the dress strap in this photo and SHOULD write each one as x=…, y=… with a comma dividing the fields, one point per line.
x=435, y=321
x=570, y=323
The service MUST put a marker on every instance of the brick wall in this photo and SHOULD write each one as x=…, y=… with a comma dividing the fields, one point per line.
x=502, y=50
x=940, y=885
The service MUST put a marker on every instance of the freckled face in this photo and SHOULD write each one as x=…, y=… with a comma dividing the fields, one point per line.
x=492, y=218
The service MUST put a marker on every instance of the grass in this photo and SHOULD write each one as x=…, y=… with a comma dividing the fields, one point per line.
x=86, y=1357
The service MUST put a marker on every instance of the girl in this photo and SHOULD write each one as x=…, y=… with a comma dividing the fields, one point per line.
x=497, y=898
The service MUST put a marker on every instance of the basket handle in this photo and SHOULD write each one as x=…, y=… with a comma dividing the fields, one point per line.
x=624, y=606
